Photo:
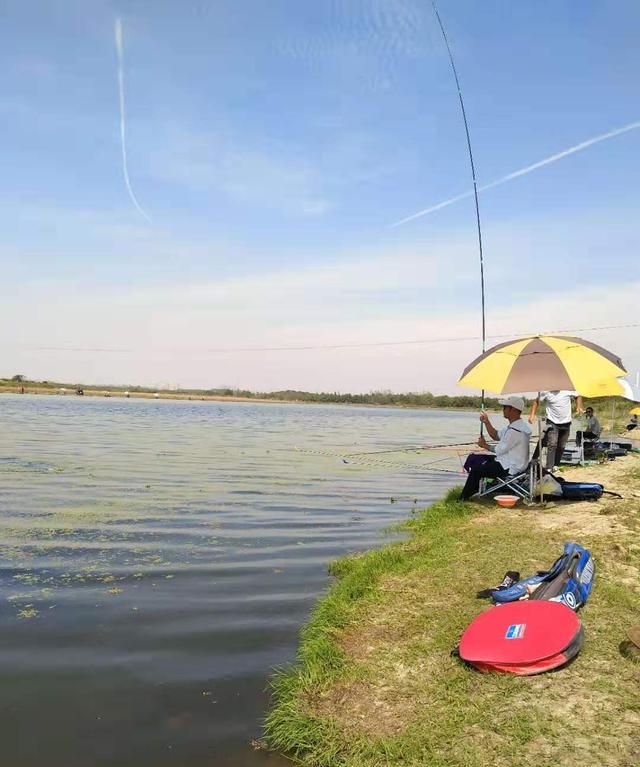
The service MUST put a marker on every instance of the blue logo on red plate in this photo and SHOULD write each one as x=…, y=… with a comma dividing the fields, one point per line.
x=515, y=631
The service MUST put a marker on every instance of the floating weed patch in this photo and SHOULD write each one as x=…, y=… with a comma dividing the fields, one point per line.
x=29, y=611
x=29, y=579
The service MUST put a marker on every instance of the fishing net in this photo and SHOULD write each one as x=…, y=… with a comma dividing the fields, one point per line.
x=422, y=459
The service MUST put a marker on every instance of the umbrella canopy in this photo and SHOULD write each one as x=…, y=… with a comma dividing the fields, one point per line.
x=535, y=363
x=635, y=411
x=614, y=387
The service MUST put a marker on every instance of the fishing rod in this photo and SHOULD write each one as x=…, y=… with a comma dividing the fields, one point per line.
x=475, y=186
x=418, y=448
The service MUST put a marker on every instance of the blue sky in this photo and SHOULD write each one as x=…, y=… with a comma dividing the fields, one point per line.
x=272, y=146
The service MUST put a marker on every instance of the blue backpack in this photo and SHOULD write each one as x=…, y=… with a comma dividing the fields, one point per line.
x=569, y=580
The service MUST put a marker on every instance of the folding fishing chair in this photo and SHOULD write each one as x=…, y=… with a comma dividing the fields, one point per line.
x=522, y=484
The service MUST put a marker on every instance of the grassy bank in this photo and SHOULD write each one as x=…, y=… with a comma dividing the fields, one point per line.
x=375, y=683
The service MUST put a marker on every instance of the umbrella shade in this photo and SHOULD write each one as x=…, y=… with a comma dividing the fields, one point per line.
x=614, y=387
x=635, y=411
x=541, y=362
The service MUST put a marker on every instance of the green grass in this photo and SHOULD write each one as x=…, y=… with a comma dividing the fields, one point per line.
x=375, y=682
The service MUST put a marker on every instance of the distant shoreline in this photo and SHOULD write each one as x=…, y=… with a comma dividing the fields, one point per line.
x=69, y=391
x=386, y=398
x=376, y=399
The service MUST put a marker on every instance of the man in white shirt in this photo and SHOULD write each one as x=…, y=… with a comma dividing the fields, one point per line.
x=510, y=455
x=558, y=422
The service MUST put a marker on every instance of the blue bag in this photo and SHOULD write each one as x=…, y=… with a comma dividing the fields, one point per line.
x=569, y=580
x=582, y=491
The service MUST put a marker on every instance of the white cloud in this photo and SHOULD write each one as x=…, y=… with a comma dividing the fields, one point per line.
x=244, y=171
x=296, y=290
x=169, y=333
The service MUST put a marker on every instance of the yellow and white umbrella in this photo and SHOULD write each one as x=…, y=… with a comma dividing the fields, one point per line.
x=613, y=387
x=538, y=363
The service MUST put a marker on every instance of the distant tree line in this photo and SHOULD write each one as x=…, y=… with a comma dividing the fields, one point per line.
x=381, y=398
x=389, y=398
x=411, y=399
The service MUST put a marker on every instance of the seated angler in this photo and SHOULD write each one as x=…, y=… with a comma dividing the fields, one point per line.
x=592, y=430
x=510, y=454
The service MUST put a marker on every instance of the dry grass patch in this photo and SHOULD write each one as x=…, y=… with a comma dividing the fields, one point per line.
x=371, y=709
x=587, y=517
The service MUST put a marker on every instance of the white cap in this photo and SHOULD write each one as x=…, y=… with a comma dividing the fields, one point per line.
x=512, y=401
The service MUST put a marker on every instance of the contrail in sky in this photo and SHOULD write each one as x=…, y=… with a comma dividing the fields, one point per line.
x=125, y=170
x=523, y=171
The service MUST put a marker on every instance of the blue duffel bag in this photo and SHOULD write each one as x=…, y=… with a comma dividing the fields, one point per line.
x=582, y=491
x=569, y=580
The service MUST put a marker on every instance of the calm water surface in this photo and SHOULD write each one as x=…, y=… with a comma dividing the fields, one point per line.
x=158, y=559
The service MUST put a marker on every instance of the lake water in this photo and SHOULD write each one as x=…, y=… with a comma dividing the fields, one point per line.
x=159, y=558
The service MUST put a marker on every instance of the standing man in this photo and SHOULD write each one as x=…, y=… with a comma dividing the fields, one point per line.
x=558, y=422
x=510, y=455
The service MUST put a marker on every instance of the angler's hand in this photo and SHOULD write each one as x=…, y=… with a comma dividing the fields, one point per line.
x=484, y=418
x=482, y=442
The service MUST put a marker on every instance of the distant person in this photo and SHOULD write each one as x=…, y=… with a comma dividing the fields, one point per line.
x=558, y=422
x=633, y=423
x=510, y=455
x=592, y=429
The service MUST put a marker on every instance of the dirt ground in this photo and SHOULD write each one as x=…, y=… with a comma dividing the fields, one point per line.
x=609, y=514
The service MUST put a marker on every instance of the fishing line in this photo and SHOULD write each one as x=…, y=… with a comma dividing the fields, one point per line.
x=475, y=186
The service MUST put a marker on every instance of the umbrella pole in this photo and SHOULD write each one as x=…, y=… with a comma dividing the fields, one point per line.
x=540, y=456
x=540, y=459
x=613, y=418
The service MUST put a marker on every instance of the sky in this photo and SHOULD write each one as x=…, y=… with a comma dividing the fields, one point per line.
x=251, y=240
